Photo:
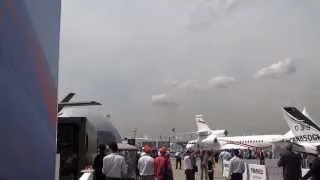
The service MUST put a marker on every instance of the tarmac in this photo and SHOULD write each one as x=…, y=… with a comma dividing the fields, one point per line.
x=180, y=175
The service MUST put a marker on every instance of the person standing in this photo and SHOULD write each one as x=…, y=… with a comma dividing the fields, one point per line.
x=163, y=168
x=237, y=166
x=98, y=163
x=261, y=157
x=178, y=159
x=203, y=165
x=291, y=164
x=146, y=164
x=210, y=165
x=314, y=172
x=114, y=165
x=188, y=166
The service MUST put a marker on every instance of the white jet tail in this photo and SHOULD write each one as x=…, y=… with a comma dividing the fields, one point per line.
x=300, y=123
x=201, y=123
x=304, y=112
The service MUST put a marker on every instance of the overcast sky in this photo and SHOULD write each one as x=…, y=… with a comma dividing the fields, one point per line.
x=156, y=63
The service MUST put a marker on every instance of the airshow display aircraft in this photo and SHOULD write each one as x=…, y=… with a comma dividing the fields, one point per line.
x=305, y=130
x=217, y=139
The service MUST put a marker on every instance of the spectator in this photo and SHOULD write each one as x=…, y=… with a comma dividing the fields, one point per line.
x=98, y=163
x=178, y=159
x=114, y=165
x=314, y=172
x=237, y=166
x=188, y=166
x=163, y=168
x=146, y=164
x=291, y=164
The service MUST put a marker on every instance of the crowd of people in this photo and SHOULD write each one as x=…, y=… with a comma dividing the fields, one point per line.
x=151, y=165
x=114, y=167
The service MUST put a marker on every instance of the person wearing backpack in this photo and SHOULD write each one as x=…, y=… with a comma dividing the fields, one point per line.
x=163, y=168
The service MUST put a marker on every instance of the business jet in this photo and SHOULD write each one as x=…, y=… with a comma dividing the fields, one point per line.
x=219, y=140
x=305, y=130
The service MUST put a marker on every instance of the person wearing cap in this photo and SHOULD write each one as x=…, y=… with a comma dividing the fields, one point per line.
x=98, y=163
x=314, y=172
x=291, y=164
x=163, y=168
x=146, y=164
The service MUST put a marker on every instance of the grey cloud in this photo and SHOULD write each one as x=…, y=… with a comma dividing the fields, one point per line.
x=164, y=99
x=277, y=70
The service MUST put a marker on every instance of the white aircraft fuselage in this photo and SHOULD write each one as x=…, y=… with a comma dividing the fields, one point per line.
x=219, y=141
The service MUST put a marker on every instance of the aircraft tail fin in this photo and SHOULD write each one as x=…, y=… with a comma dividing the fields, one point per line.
x=304, y=112
x=300, y=123
x=201, y=123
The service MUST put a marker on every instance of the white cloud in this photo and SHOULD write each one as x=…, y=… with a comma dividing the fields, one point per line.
x=216, y=82
x=164, y=99
x=222, y=81
x=185, y=85
x=276, y=70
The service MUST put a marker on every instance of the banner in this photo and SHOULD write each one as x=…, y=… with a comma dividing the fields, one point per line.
x=226, y=168
x=257, y=172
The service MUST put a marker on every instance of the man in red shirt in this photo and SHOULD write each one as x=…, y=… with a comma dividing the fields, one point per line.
x=163, y=168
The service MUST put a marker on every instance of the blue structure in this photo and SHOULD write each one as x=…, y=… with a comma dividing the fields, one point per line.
x=29, y=52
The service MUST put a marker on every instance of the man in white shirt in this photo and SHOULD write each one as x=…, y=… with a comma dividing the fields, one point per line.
x=146, y=164
x=188, y=166
x=237, y=166
x=178, y=157
x=114, y=165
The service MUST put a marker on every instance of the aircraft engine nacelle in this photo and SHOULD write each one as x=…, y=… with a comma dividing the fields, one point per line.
x=220, y=133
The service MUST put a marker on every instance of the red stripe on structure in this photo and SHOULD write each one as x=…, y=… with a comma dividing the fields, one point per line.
x=44, y=78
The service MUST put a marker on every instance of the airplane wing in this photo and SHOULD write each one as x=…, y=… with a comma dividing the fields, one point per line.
x=74, y=104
